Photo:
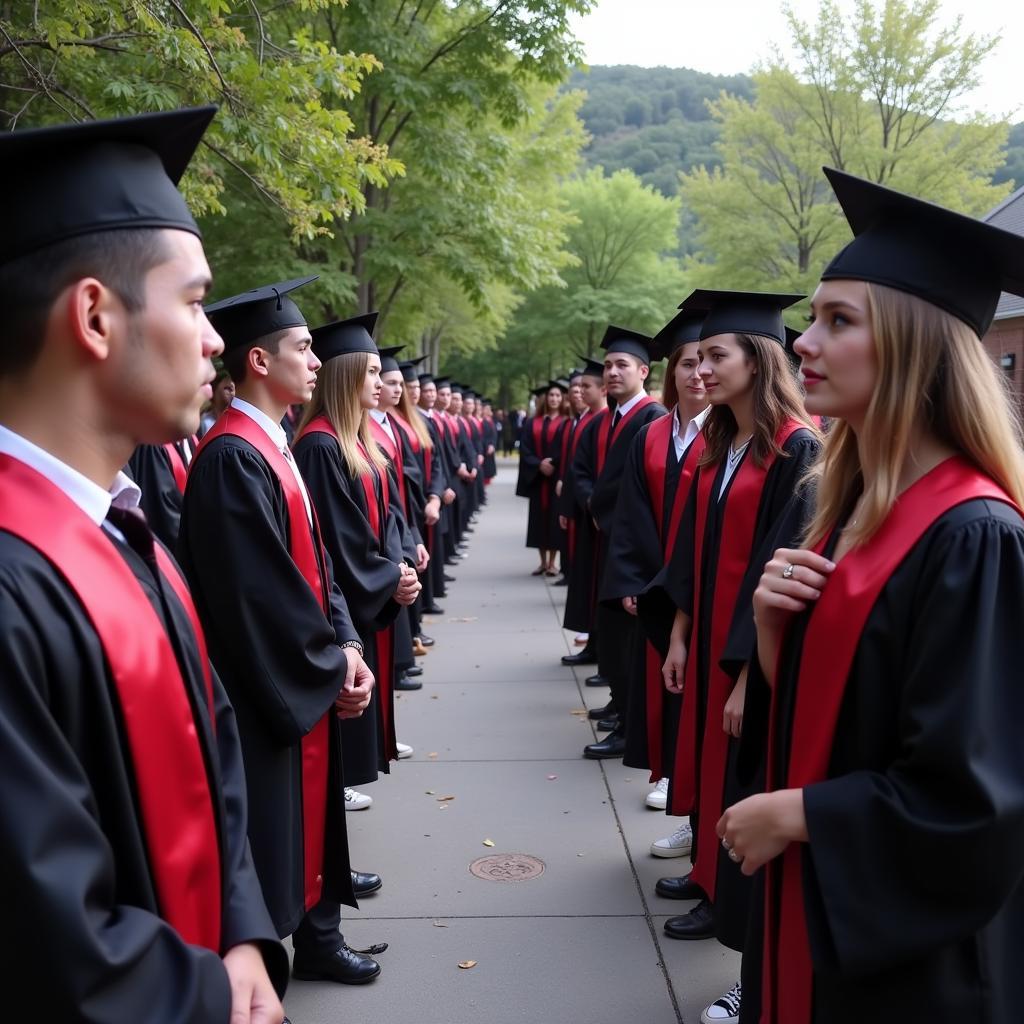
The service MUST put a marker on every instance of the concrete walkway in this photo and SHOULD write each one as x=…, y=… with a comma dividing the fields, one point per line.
x=495, y=732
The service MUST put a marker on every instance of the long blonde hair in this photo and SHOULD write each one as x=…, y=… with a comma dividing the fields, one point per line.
x=777, y=398
x=408, y=412
x=933, y=374
x=336, y=396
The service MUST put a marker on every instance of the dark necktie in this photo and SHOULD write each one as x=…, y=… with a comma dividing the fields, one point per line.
x=132, y=524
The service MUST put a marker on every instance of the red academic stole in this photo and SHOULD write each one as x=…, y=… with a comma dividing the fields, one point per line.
x=604, y=428
x=541, y=440
x=657, y=444
x=306, y=549
x=734, y=553
x=178, y=817
x=376, y=513
x=833, y=633
x=415, y=444
x=179, y=469
x=393, y=450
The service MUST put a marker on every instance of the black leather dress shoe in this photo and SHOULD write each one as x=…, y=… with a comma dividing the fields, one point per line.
x=584, y=657
x=405, y=683
x=562, y=581
x=447, y=578
x=451, y=561
x=679, y=889
x=596, y=714
x=433, y=609
x=613, y=745
x=428, y=641
x=345, y=966
x=608, y=724
x=699, y=923
x=364, y=883
x=597, y=680
x=414, y=670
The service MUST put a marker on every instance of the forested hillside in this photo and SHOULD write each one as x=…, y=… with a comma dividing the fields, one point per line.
x=655, y=122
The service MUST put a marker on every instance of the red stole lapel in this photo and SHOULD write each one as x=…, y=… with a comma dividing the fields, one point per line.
x=383, y=639
x=833, y=633
x=393, y=449
x=415, y=444
x=179, y=820
x=659, y=447
x=306, y=549
x=178, y=467
x=603, y=441
x=739, y=520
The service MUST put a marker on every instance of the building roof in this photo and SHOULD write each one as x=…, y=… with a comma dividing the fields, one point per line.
x=1009, y=215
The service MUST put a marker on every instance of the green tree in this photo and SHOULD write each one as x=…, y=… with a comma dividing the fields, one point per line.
x=876, y=97
x=283, y=131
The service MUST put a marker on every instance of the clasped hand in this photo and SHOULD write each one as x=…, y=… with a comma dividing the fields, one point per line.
x=354, y=697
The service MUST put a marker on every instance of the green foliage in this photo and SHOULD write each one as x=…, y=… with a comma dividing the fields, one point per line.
x=1013, y=170
x=875, y=98
x=283, y=129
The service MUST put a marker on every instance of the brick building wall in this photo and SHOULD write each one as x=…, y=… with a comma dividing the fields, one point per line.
x=1005, y=343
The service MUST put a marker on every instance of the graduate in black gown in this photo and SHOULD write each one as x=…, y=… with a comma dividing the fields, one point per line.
x=655, y=485
x=539, y=457
x=440, y=538
x=357, y=499
x=279, y=629
x=626, y=366
x=889, y=647
x=455, y=463
x=575, y=519
x=160, y=471
x=759, y=443
x=125, y=875
x=491, y=440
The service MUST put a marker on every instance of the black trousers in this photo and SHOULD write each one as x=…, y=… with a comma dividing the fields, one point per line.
x=319, y=931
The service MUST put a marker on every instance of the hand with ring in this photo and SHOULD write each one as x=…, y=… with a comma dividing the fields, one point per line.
x=781, y=591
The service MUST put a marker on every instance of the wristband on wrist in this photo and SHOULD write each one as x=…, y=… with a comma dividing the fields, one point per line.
x=354, y=644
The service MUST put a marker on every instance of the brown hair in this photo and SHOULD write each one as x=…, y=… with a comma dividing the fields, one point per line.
x=933, y=374
x=339, y=383
x=777, y=398
x=669, y=391
x=414, y=419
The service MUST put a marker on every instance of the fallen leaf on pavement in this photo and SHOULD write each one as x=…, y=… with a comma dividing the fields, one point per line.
x=467, y=964
x=488, y=842
x=433, y=753
x=439, y=924
x=442, y=799
x=578, y=711
x=430, y=792
x=551, y=778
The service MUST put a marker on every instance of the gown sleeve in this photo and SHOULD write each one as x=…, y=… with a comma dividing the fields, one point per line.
x=161, y=499
x=235, y=555
x=584, y=465
x=911, y=855
x=529, y=461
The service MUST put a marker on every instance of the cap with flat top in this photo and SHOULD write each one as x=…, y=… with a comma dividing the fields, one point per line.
x=66, y=181
x=621, y=339
x=388, y=362
x=948, y=259
x=682, y=329
x=408, y=368
x=591, y=367
x=245, y=318
x=731, y=312
x=345, y=337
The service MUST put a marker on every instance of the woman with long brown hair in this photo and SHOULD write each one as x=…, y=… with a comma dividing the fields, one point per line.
x=758, y=443
x=354, y=495
x=890, y=647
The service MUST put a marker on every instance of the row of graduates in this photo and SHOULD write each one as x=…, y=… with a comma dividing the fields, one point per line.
x=813, y=635
x=177, y=738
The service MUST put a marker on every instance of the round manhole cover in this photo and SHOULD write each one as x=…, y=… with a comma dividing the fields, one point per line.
x=507, y=867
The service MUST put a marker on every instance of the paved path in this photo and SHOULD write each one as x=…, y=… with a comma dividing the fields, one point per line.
x=580, y=944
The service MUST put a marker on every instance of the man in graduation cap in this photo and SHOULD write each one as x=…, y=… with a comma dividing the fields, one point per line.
x=127, y=878
x=575, y=518
x=627, y=363
x=279, y=629
x=440, y=535
x=457, y=468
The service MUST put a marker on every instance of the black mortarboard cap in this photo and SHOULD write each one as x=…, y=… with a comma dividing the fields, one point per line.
x=443, y=382
x=621, y=339
x=388, y=362
x=952, y=261
x=65, y=181
x=408, y=368
x=574, y=373
x=455, y=386
x=243, y=319
x=682, y=329
x=561, y=382
x=591, y=367
x=742, y=312
x=345, y=337
x=791, y=335
x=426, y=378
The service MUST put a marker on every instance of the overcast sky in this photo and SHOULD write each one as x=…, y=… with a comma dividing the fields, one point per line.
x=727, y=36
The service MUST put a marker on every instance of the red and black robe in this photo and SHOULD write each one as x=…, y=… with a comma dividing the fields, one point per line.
x=541, y=439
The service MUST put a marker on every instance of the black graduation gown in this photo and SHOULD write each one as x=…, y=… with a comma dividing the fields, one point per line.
x=635, y=556
x=581, y=594
x=450, y=449
x=365, y=573
x=676, y=583
x=437, y=535
x=277, y=654
x=542, y=529
x=75, y=881
x=150, y=468
x=616, y=630
x=913, y=878
x=490, y=457
x=466, y=455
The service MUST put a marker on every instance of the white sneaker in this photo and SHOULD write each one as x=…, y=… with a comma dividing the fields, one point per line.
x=356, y=801
x=725, y=1010
x=676, y=845
x=404, y=750
x=658, y=797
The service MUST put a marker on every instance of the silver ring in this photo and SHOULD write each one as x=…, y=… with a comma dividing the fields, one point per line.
x=726, y=845
x=734, y=856
x=787, y=573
